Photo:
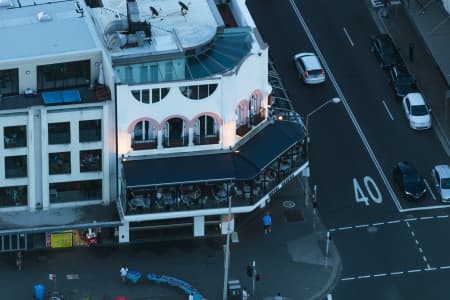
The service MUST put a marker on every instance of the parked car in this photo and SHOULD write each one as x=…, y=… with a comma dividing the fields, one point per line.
x=408, y=180
x=402, y=81
x=383, y=46
x=416, y=111
x=309, y=68
x=441, y=179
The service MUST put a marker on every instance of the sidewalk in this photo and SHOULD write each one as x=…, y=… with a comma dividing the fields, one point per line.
x=427, y=25
x=290, y=260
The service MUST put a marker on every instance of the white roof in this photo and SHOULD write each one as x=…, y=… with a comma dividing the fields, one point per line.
x=23, y=35
x=170, y=29
x=415, y=99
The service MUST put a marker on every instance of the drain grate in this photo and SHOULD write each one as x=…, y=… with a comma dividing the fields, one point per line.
x=293, y=215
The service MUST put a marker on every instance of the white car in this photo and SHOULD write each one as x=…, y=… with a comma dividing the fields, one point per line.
x=441, y=179
x=417, y=111
x=309, y=68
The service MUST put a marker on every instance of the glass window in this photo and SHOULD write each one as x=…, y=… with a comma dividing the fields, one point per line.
x=13, y=196
x=90, y=160
x=64, y=75
x=16, y=166
x=9, y=82
x=59, y=133
x=196, y=92
x=59, y=163
x=15, y=136
x=75, y=191
x=146, y=96
x=90, y=130
x=137, y=95
x=156, y=95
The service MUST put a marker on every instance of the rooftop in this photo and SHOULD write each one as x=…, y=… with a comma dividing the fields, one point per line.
x=32, y=28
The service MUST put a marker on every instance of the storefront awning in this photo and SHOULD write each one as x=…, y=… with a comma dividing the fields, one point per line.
x=244, y=163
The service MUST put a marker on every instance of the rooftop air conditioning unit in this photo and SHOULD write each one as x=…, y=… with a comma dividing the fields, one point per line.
x=42, y=16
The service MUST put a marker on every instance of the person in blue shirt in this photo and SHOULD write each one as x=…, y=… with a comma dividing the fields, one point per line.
x=267, y=222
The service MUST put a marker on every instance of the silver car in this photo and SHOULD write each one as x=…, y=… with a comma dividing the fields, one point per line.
x=309, y=68
x=441, y=180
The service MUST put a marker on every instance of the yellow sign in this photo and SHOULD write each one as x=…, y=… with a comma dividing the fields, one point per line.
x=61, y=239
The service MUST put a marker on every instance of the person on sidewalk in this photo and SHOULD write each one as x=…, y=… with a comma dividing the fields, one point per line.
x=19, y=258
x=123, y=273
x=267, y=223
x=191, y=296
x=245, y=294
x=278, y=297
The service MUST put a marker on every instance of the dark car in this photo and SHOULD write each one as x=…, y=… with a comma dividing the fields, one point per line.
x=382, y=45
x=402, y=81
x=409, y=180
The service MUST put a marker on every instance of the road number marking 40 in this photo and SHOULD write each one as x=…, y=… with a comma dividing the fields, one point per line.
x=372, y=190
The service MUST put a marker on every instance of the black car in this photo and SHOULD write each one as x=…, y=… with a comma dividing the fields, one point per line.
x=385, y=49
x=402, y=81
x=409, y=180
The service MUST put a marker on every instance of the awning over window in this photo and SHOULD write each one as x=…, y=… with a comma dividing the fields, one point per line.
x=244, y=163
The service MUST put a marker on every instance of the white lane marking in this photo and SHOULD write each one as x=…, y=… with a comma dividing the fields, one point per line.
x=424, y=208
x=349, y=278
x=430, y=269
x=443, y=216
x=346, y=106
x=345, y=228
x=429, y=189
x=444, y=267
x=377, y=224
x=428, y=266
x=424, y=258
x=392, y=222
x=329, y=297
x=396, y=273
x=379, y=275
x=420, y=250
x=361, y=226
x=426, y=218
x=388, y=111
x=348, y=37
x=417, y=242
x=410, y=219
x=414, y=271
x=407, y=224
x=332, y=229
x=364, y=276
x=412, y=233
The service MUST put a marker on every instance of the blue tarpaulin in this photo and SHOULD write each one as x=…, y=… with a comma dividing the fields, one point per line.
x=60, y=97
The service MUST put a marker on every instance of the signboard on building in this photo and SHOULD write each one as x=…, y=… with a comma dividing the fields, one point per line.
x=62, y=239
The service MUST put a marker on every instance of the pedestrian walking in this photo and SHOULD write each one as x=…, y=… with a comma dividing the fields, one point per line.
x=19, y=258
x=267, y=223
x=245, y=294
x=191, y=296
x=278, y=297
x=123, y=273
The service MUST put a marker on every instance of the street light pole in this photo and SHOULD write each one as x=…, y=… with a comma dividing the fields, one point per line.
x=227, y=251
x=332, y=100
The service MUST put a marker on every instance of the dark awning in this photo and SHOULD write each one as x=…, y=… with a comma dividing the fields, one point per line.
x=243, y=163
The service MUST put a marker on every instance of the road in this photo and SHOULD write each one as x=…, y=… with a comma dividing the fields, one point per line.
x=353, y=148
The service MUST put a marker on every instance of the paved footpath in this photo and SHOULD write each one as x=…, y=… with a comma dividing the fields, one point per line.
x=290, y=260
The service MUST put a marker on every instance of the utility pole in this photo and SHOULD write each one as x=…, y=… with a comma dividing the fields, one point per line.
x=227, y=252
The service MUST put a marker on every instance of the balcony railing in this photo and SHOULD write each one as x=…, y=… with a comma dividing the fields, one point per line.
x=175, y=142
x=206, y=140
x=145, y=145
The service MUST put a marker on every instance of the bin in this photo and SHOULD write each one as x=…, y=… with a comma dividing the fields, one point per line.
x=39, y=292
x=234, y=290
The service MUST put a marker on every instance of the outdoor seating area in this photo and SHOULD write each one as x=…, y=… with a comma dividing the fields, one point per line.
x=212, y=194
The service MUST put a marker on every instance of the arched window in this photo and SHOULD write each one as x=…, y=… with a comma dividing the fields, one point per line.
x=206, y=130
x=175, y=133
x=143, y=135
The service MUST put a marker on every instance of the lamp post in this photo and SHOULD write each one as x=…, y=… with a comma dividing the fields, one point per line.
x=332, y=100
x=227, y=249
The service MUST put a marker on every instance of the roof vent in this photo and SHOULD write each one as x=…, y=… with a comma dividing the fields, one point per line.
x=42, y=16
x=5, y=3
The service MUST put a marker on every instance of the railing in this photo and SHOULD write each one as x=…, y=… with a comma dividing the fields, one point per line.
x=206, y=140
x=175, y=142
x=144, y=145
